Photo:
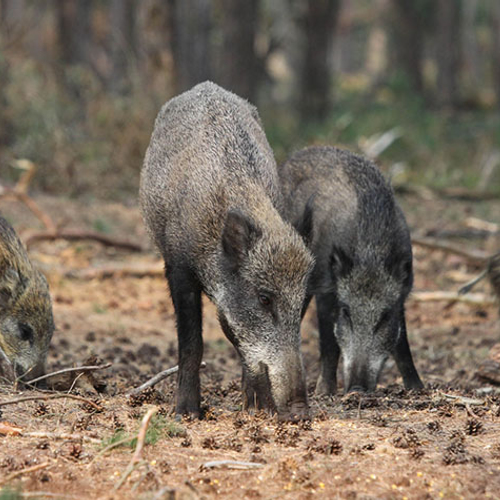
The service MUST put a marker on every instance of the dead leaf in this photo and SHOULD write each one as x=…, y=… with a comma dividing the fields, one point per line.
x=7, y=429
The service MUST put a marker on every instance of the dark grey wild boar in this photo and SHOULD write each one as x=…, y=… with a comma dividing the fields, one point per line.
x=26, y=322
x=363, y=272
x=210, y=197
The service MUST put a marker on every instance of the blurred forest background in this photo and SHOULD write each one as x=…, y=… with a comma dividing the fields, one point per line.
x=412, y=83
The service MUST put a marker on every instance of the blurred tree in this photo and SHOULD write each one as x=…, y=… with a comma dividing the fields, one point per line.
x=73, y=29
x=495, y=22
x=319, y=24
x=448, y=53
x=472, y=60
x=11, y=14
x=191, y=24
x=408, y=20
x=238, y=69
x=122, y=14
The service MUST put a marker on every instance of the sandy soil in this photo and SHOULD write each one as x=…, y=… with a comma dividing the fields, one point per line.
x=390, y=444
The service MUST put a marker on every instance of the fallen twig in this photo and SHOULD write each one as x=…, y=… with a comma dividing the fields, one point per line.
x=7, y=429
x=448, y=193
x=48, y=494
x=138, y=450
x=76, y=369
x=463, y=400
x=74, y=235
x=231, y=464
x=433, y=244
x=63, y=435
x=156, y=270
x=47, y=397
x=158, y=378
x=478, y=299
x=18, y=473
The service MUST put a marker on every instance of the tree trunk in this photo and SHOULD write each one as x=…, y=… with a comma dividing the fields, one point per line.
x=191, y=41
x=73, y=22
x=239, y=69
x=123, y=41
x=495, y=21
x=320, y=22
x=472, y=56
x=448, y=52
x=11, y=14
x=407, y=28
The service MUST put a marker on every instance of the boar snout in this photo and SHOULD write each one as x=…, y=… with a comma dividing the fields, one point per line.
x=360, y=375
x=288, y=386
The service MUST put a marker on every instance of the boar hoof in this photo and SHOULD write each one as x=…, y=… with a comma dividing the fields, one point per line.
x=325, y=388
x=298, y=412
x=414, y=384
x=356, y=388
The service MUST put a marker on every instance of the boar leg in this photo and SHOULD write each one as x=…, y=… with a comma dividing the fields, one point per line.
x=248, y=390
x=186, y=296
x=404, y=360
x=329, y=349
x=255, y=390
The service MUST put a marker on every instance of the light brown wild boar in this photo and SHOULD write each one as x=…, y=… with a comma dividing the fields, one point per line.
x=210, y=197
x=26, y=322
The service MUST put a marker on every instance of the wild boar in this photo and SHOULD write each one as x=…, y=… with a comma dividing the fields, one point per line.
x=210, y=199
x=26, y=321
x=363, y=271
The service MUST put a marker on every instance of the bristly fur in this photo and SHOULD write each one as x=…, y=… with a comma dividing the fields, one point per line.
x=210, y=199
x=363, y=270
x=26, y=322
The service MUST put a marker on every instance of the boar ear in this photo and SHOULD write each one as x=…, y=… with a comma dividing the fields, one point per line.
x=406, y=273
x=305, y=225
x=238, y=237
x=340, y=262
x=11, y=286
x=401, y=268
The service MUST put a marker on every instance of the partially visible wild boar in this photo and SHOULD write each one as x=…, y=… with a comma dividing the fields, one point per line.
x=26, y=322
x=210, y=197
x=363, y=272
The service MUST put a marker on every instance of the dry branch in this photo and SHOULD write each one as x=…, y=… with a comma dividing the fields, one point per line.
x=47, y=397
x=478, y=299
x=138, y=450
x=18, y=473
x=158, y=378
x=63, y=435
x=19, y=192
x=433, y=244
x=74, y=235
x=461, y=194
x=152, y=271
x=77, y=369
x=231, y=464
x=463, y=400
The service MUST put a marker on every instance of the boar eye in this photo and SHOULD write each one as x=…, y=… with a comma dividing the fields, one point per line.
x=264, y=299
x=26, y=333
x=345, y=312
x=384, y=318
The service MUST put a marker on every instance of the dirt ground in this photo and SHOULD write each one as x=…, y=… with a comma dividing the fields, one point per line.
x=441, y=442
